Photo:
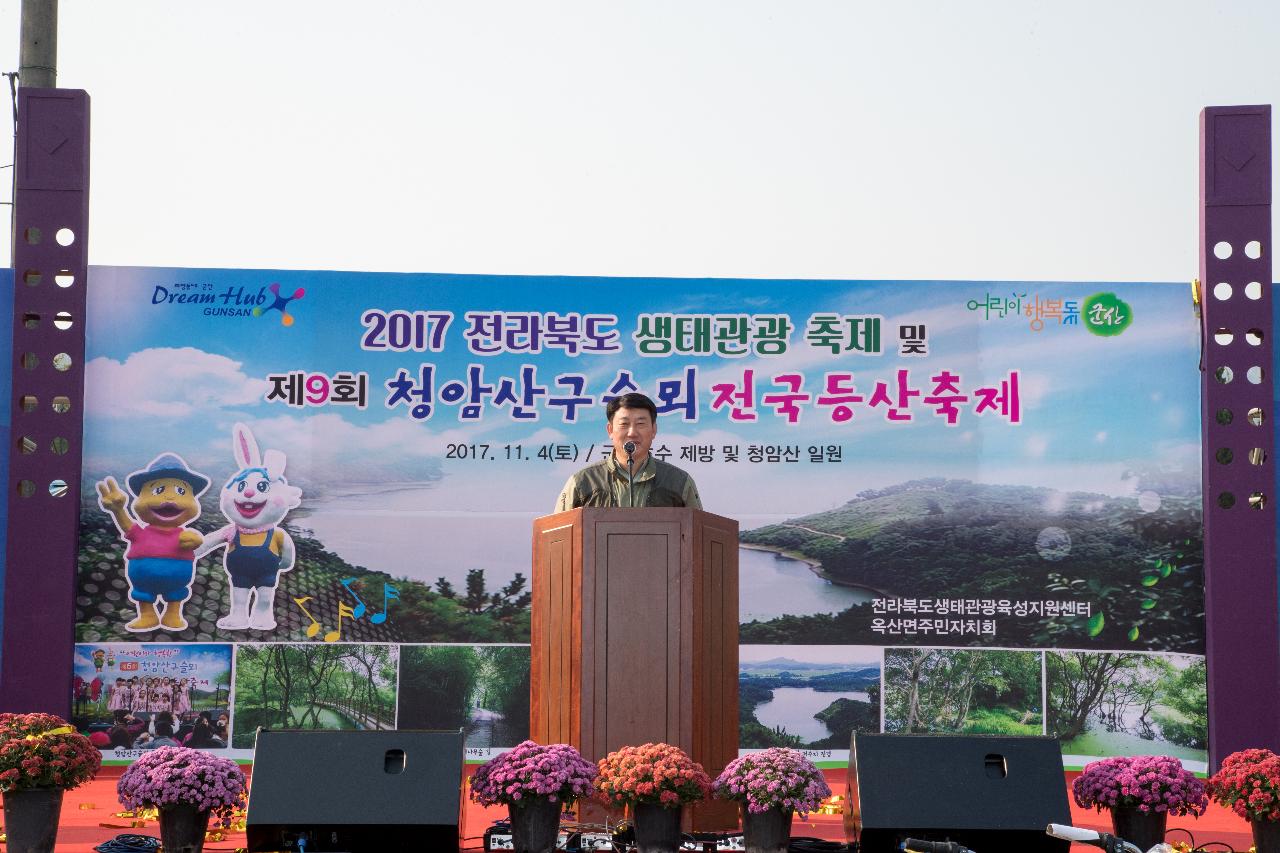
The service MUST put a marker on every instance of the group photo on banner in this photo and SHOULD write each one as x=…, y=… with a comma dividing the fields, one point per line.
x=965, y=507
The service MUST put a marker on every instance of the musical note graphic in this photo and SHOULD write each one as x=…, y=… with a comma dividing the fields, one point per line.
x=389, y=594
x=345, y=611
x=314, y=627
x=360, y=608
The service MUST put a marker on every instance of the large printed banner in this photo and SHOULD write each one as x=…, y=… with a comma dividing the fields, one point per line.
x=965, y=506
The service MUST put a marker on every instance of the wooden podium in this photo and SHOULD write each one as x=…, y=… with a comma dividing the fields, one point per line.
x=635, y=637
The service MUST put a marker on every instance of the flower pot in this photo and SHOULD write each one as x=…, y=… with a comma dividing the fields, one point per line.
x=1266, y=836
x=767, y=831
x=657, y=828
x=535, y=824
x=31, y=819
x=182, y=828
x=1143, y=829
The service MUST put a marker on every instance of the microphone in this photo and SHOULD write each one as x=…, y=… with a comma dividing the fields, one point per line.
x=1072, y=833
x=1088, y=836
x=630, y=448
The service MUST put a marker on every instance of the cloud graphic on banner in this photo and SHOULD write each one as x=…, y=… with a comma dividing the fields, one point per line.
x=326, y=449
x=1173, y=416
x=167, y=383
x=1177, y=456
x=766, y=489
x=1055, y=503
x=1037, y=446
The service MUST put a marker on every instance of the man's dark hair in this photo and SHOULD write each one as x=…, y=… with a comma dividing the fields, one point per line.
x=633, y=400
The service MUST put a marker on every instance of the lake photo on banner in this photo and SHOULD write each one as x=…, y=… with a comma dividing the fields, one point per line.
x=389, y=533
x=792, y=708
x=772, y=584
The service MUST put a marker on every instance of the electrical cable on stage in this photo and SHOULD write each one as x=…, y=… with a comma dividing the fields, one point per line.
x=917, y=845
x=1110, y=842
x=803, y=844
x=130, y=843
x=1207, y=847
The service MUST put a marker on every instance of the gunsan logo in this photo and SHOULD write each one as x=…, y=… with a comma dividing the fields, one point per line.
x=1106, y=314
x=280, y=304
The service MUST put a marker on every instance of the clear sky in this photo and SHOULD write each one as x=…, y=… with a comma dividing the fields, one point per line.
x=989, y=140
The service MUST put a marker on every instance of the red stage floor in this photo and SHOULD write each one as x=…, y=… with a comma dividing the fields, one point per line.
x=88, y=819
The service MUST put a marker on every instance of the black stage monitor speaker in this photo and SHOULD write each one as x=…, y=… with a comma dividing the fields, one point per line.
x=330, y=791
x=987, y=793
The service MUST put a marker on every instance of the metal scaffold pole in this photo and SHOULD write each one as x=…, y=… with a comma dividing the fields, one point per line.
x=38, y=55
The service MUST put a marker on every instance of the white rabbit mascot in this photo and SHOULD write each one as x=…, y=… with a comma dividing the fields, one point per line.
x=255, y=500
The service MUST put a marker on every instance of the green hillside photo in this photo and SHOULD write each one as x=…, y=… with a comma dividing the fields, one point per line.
x=1130, y=574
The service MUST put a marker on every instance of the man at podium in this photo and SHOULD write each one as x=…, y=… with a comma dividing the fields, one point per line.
x=630, y=476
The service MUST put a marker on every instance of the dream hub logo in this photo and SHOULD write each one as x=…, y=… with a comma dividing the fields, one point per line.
x=230, y=301
x=280, y=304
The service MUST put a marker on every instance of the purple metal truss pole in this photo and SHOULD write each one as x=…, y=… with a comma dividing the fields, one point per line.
x=50, y=263
x=1242, y=630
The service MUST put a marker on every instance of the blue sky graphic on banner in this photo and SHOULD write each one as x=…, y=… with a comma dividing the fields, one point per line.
x=956, y=470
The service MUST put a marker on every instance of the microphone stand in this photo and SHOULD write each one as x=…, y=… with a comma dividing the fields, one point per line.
x=631, y=481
